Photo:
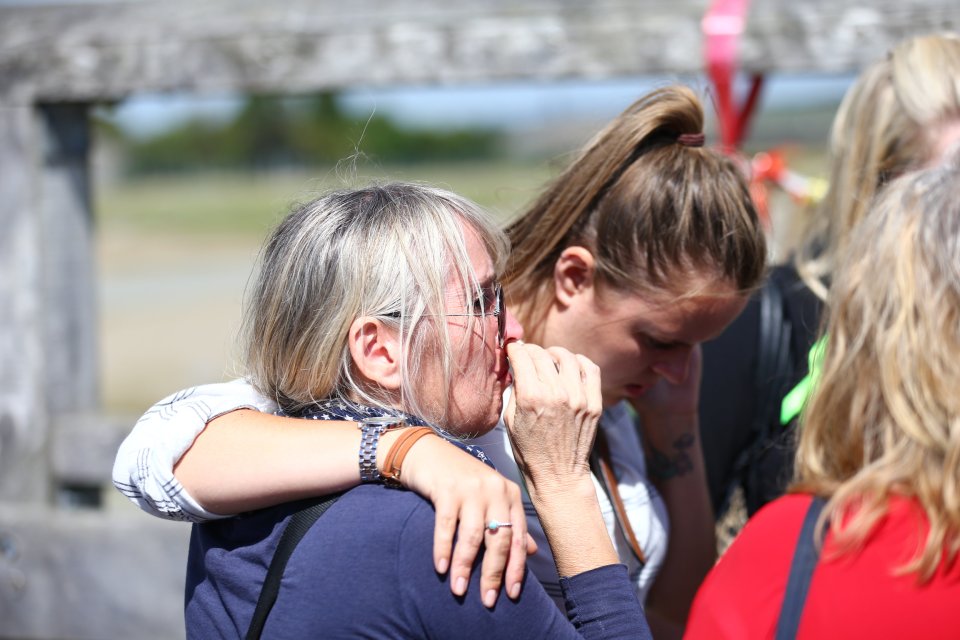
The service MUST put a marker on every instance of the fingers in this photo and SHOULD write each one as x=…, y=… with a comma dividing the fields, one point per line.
x=518, y=546
x=531, y=545
x=569, y=369
x=443, y=530
x=466, y=495
x=505, y=556
x=505, y=550
x=590, y=374
x=544, y=375
x=469, y=538
x=495, y=559
x=524, y=370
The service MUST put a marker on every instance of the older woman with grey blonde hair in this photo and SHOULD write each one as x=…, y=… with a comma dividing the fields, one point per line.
x=381, y=306
x=879, y=449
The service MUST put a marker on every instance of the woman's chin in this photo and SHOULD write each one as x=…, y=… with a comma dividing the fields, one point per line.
x=492, y=422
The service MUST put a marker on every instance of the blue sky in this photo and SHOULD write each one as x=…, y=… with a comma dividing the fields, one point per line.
x=511, y=106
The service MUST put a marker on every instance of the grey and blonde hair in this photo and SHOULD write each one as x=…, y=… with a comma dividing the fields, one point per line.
x=887, y=124
x=649, y=208
x=885, y=417
x=384, y=251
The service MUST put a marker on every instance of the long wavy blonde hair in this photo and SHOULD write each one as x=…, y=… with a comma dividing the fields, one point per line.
x=887, y=124
x=885, y=417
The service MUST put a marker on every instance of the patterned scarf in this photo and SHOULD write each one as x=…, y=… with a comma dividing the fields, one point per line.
x=338, y=409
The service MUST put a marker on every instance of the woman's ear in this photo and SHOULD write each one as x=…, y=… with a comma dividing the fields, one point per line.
x=574, y=274
x=376, y=352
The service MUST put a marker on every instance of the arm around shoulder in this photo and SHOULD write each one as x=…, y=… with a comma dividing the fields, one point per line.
x=144, y=467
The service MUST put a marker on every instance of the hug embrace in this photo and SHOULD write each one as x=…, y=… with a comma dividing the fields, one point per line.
x=405, y=300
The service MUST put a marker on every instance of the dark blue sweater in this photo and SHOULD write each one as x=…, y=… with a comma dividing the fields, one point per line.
x=365, y=570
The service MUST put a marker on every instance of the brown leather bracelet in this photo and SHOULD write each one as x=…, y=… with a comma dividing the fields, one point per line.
x=398, y=451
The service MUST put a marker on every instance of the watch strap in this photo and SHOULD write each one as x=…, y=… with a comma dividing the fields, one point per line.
x=398, y=452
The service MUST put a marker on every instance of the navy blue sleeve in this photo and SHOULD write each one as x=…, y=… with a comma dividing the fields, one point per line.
x=601, y=602
x=598, y=610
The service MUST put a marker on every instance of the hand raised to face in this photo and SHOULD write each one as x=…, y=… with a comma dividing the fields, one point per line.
x=553, y=414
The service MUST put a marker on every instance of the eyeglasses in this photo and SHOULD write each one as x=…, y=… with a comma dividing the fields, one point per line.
x=489, y=303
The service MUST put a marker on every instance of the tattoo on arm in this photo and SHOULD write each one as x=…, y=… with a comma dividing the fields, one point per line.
x=664, y=465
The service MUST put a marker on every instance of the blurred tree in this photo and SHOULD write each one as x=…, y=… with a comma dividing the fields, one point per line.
x=270, y=132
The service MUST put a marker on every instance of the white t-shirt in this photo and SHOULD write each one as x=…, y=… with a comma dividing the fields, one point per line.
x=143, y=471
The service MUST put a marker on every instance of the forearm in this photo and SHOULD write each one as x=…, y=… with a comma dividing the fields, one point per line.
x=676, y=467
x=571, y=519
x=143, y=469
x=247, y=460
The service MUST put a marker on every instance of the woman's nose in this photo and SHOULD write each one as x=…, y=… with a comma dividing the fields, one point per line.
x=675, y=365
x=512, y=329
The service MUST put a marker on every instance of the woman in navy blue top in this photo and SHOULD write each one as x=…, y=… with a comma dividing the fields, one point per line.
x=384, y=301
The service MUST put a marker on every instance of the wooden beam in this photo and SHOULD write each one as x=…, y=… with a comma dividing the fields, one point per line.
x=75, y=574
x=108, y=50
x=83, y=447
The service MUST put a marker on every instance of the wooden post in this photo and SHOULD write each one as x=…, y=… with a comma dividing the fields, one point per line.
x=48, y=361
x=24, y=420
x=71, y=370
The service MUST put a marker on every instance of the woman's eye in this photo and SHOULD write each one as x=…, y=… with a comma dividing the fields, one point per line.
x=653, y=343
x=479, y=305
x=485, y=303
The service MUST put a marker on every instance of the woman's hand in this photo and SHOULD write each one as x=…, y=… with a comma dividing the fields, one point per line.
x=552, y=418
x=553, y=413
x=665, y=402
x=466, y=491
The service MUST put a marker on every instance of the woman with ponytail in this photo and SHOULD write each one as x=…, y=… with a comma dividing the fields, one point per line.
x=644, y=247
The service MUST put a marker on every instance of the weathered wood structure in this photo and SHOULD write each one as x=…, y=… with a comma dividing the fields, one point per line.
x=68, y=569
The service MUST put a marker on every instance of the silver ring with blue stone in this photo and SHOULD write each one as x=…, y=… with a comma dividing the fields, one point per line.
x=493, y=525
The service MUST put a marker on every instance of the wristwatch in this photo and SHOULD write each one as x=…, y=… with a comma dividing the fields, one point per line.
x=370, y=431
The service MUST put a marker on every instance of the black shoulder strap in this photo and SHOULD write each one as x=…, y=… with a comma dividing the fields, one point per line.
x=774, y=367
x=773, y=355
x=805, y=558
x=296, y=528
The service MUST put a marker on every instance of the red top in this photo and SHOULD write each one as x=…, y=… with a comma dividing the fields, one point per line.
x=853, y=596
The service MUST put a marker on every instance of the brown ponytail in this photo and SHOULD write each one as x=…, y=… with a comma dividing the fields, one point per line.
x=646, y=205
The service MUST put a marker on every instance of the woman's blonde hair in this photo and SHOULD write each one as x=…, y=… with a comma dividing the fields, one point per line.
x=885, y=417
x=887, y=125
x=383, y=251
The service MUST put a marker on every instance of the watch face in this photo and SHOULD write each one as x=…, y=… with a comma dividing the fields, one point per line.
x=384, y=421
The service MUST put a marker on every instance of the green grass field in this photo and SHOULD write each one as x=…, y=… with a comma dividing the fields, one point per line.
x=252, y=203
